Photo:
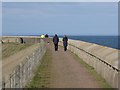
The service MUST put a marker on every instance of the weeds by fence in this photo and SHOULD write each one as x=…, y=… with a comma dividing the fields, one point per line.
x=25, y=70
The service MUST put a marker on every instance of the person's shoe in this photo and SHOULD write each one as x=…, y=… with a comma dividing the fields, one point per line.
x=56, y=50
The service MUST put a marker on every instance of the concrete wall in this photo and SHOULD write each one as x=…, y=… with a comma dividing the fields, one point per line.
x=26, y=39
x=24, y=72
x=103, y=59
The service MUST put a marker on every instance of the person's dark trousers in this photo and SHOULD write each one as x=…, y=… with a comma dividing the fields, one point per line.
x=56, y=47
x=65, y=48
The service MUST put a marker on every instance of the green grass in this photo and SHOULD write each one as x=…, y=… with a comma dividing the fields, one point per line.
x=102, y=82
x=42, y=74
x=9, y=49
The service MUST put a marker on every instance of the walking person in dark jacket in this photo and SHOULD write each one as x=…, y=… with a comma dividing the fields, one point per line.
x=55, y=41
x=65, y=42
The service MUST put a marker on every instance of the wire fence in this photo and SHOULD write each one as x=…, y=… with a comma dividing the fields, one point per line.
x=25, y=70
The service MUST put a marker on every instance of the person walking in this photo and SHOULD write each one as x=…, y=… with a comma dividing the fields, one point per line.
x=42, y=36
x=65, y=42
x=55, y=41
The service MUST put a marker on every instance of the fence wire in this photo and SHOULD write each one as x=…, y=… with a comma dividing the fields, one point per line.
x=25, y=70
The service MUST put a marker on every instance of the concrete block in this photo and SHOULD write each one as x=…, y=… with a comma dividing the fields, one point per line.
x=109, y=56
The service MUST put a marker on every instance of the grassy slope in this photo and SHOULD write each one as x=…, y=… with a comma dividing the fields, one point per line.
x=11, y=48
x=42, y=74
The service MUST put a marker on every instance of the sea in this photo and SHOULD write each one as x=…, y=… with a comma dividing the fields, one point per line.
x=109, y=41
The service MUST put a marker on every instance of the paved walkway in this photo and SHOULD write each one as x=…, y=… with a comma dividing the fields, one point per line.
x=67, y=72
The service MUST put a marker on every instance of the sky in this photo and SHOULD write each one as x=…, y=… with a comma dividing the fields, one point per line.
x=71, y=18
x=60, y=0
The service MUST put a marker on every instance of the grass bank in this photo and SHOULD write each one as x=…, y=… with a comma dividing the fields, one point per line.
x=42, y=74
x=9, y=49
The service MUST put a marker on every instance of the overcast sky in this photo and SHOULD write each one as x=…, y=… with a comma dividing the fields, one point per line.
x=78, y=18
x=60, y=0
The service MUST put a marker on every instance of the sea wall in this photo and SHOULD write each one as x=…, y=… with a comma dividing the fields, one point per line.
x=103, y=59
x=24, y=71
x=19, y=39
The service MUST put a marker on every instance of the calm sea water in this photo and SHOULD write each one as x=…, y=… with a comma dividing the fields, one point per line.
x=109, y=41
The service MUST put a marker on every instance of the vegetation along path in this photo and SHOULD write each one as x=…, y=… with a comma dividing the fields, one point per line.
x=61, y=69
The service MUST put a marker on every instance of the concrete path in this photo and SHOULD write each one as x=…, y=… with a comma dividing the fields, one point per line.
x=67, y=72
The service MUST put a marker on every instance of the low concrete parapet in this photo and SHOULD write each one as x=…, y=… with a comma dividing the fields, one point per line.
x=103, y=59
x=21, y=39
x=24, y=72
